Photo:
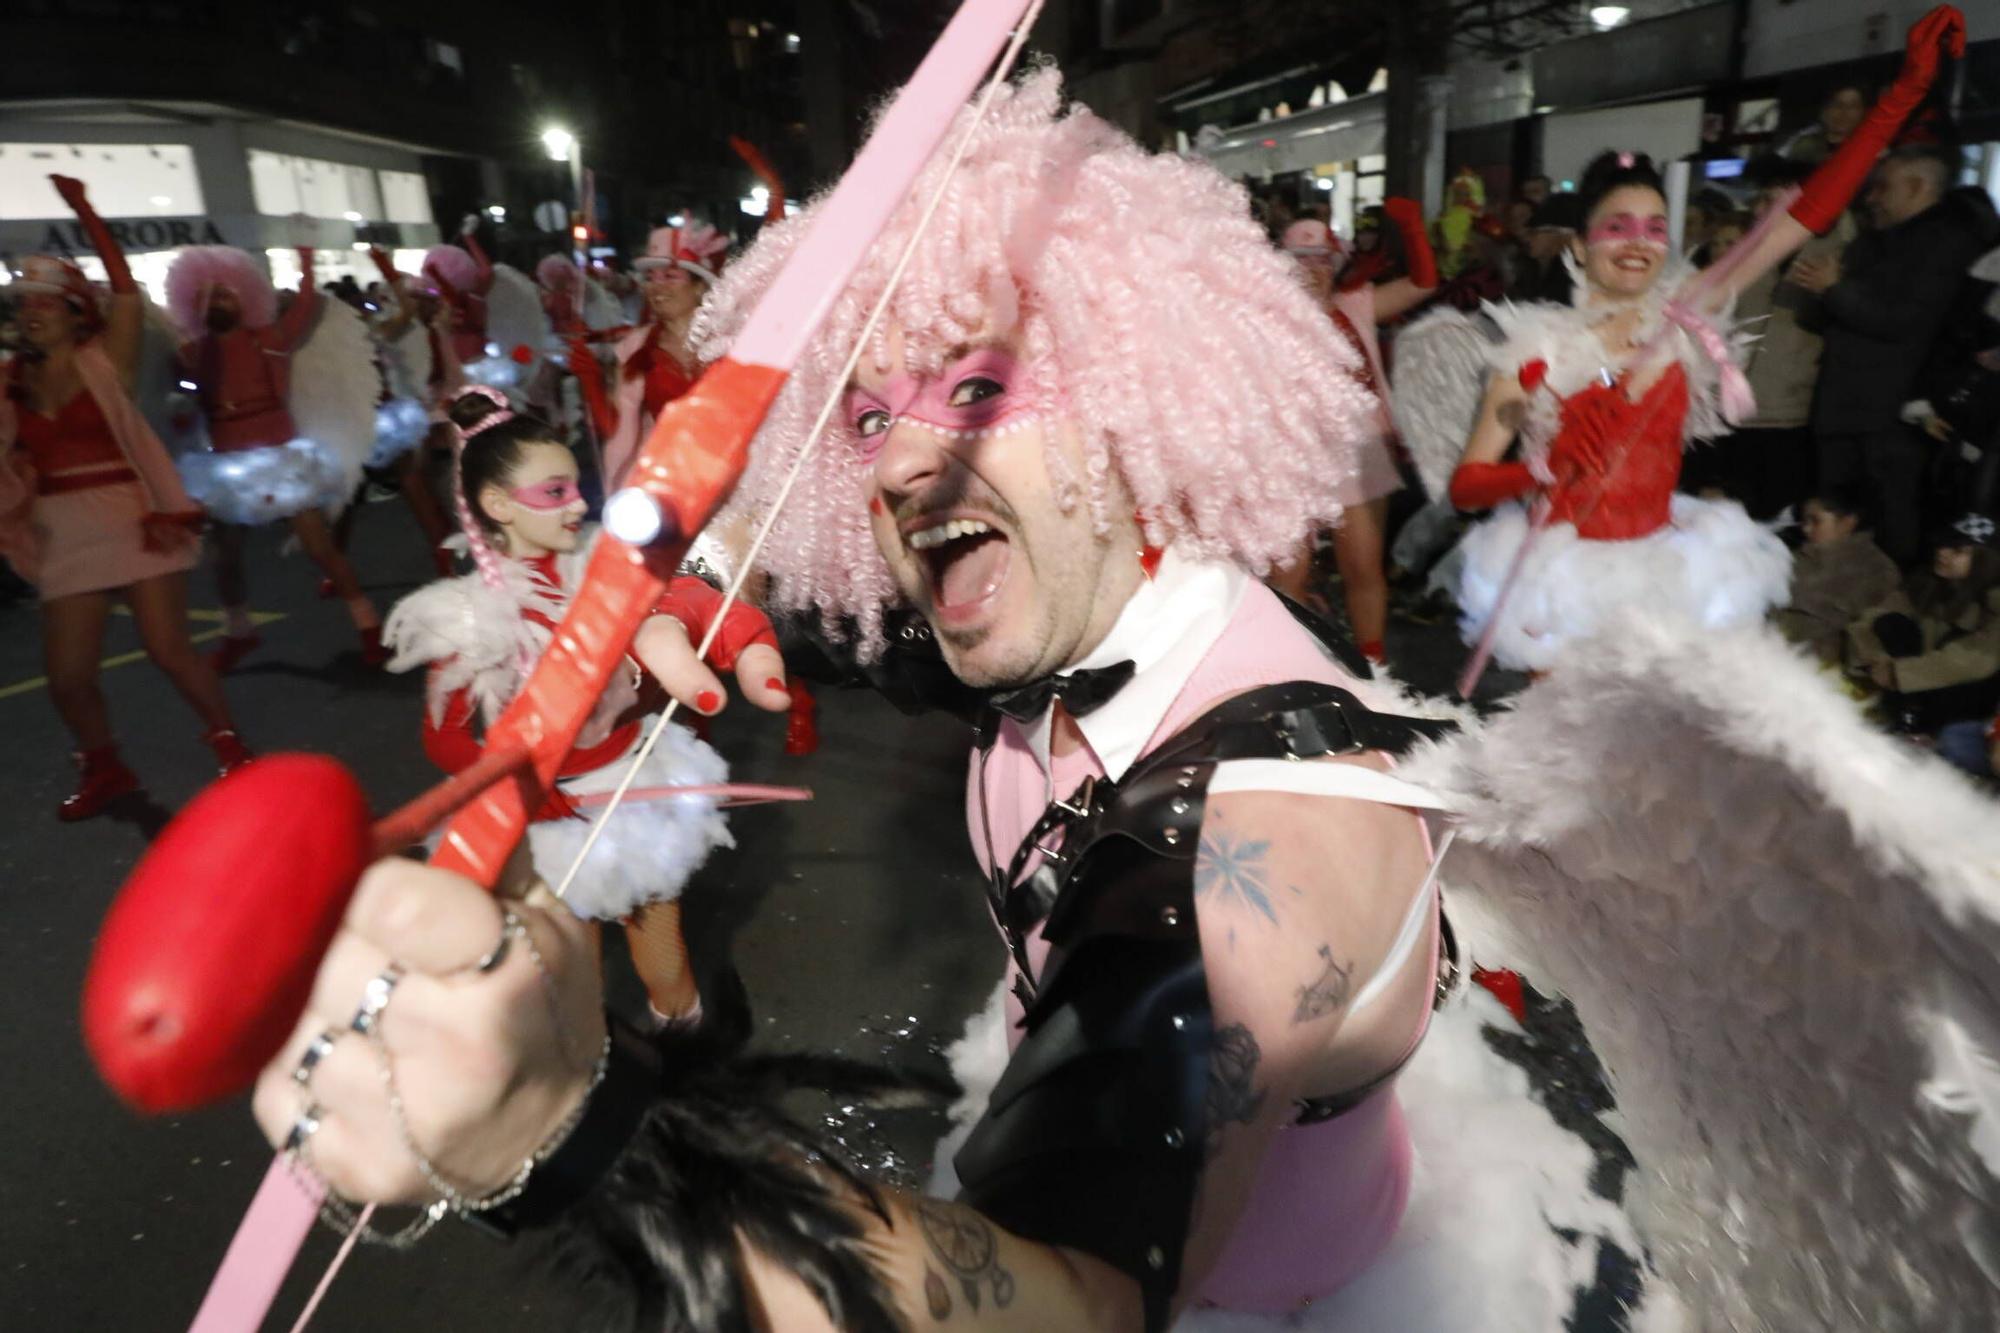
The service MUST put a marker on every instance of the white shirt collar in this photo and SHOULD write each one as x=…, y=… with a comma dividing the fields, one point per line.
x=1165, y=631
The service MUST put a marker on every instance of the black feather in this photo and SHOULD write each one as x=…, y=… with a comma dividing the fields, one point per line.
x=654, y=1245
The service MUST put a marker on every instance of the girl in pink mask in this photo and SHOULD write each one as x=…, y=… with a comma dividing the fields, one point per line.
x=1356, y=306
x=521, y=519
x=1604, y=397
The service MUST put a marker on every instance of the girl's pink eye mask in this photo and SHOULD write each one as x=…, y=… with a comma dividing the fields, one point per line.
x=548, y=495
x=1625, y=228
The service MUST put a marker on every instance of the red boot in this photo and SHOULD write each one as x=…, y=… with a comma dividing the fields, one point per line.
x=230, y=751
x=103, y=780
x=373, y=651
x=233, y=649
x=801, y=727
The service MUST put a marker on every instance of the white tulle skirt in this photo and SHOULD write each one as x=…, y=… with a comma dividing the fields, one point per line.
x=262, y=485
x=1711, y=564
x=652, y=846
x=400, y=426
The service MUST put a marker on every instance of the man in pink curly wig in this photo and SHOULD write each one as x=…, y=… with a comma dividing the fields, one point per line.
x=238, y=351
x=1101, y=404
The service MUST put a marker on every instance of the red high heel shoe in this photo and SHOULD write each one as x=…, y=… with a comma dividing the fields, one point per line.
x=103, y=779
x=230, y=751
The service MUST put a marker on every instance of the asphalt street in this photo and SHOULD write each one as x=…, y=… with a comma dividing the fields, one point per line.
x=855, y=920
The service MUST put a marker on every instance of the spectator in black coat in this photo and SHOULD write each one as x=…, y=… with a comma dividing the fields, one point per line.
x=1883, y=302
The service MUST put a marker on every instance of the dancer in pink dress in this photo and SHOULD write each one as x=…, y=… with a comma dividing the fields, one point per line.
x=91, y=508
x=1358, y=308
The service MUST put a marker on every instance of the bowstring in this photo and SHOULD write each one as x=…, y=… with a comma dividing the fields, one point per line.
x=1008, y=57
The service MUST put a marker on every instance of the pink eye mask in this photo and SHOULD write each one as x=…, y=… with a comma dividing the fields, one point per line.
x=548, y=496
x=1629, y=229
x=926, y=401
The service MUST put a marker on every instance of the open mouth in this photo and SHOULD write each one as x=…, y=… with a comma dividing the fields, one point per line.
x=1633, y=263
x=965, y=562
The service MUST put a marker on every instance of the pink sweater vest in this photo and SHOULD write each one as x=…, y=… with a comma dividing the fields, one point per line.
x=1330, y=1195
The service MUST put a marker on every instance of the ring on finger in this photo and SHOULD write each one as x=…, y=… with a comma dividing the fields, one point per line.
x=314, y=1053
x=510, y=926
x=374, y=999
x=303, y=1128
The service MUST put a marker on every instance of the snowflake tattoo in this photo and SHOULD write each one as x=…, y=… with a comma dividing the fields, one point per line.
x=1228, y=868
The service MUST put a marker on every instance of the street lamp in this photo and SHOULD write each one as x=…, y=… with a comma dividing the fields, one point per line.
x=1607, y=17
x=559, y=142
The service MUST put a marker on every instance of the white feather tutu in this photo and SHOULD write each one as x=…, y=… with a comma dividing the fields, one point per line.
x=650, y=848
x=256, y=486
x=1712, y=565
x=400, y=426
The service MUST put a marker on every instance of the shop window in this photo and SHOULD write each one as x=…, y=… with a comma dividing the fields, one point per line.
x=405, y=197
x=125, y=180
x=283, y=184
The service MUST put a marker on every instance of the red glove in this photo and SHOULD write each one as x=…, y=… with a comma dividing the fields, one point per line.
x=384, y=265
x=1483, y=485
x=160, y=533
x=692, y=602
x=116, y=269
x=589, y=372
x=1831, y=188
x=1417, y=254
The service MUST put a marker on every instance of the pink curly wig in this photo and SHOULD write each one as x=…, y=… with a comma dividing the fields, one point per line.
x=454, y=265
x=198, y=270
x=1155, y=316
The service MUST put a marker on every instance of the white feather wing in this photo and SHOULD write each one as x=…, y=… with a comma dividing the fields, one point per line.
x=600, y=308
x=1440, y=376
x=1782, y=930
x=515, y=318
x=334, y=387
x=407, y=360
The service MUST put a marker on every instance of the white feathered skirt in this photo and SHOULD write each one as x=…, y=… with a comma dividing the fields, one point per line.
x=653, y=845
x=264, y=484
x=1711, y=564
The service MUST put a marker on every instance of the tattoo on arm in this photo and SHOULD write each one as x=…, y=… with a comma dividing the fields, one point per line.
x=1327, y=992
x=964, y=1243
x=1232, y=1073
x=1231, y=869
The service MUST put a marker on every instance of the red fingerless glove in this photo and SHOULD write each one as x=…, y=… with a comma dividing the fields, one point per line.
x=1483, y=485
x=692, y=602
x=1417, y=253
x=1830, y=189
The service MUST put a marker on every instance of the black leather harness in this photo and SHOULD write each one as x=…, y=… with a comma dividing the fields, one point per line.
x=1094, y=1136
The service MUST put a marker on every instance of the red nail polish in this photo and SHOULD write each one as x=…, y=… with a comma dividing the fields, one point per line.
x=708, y=701
x=776, y=684
x=874, y=504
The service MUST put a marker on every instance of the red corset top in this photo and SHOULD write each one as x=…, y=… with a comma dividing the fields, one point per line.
x=77, y=436
x=665, y=379
x=1616, y=461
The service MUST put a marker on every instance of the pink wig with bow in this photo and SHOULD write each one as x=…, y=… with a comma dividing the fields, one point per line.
x=196, y=273
x=454, y=265
x=1155, y=317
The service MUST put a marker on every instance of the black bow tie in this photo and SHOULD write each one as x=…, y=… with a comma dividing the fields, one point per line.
x=1082, y=692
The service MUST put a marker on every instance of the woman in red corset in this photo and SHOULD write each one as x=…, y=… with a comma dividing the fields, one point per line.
x=91, y=506
x=1357, y=305
x=478, y=636
x=1606, y=396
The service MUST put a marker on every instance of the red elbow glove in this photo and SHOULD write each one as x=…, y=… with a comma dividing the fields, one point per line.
x=1417, y=253
x=695, y=604
x=1833, y=186
x=383, y=265
x=1483, y=485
